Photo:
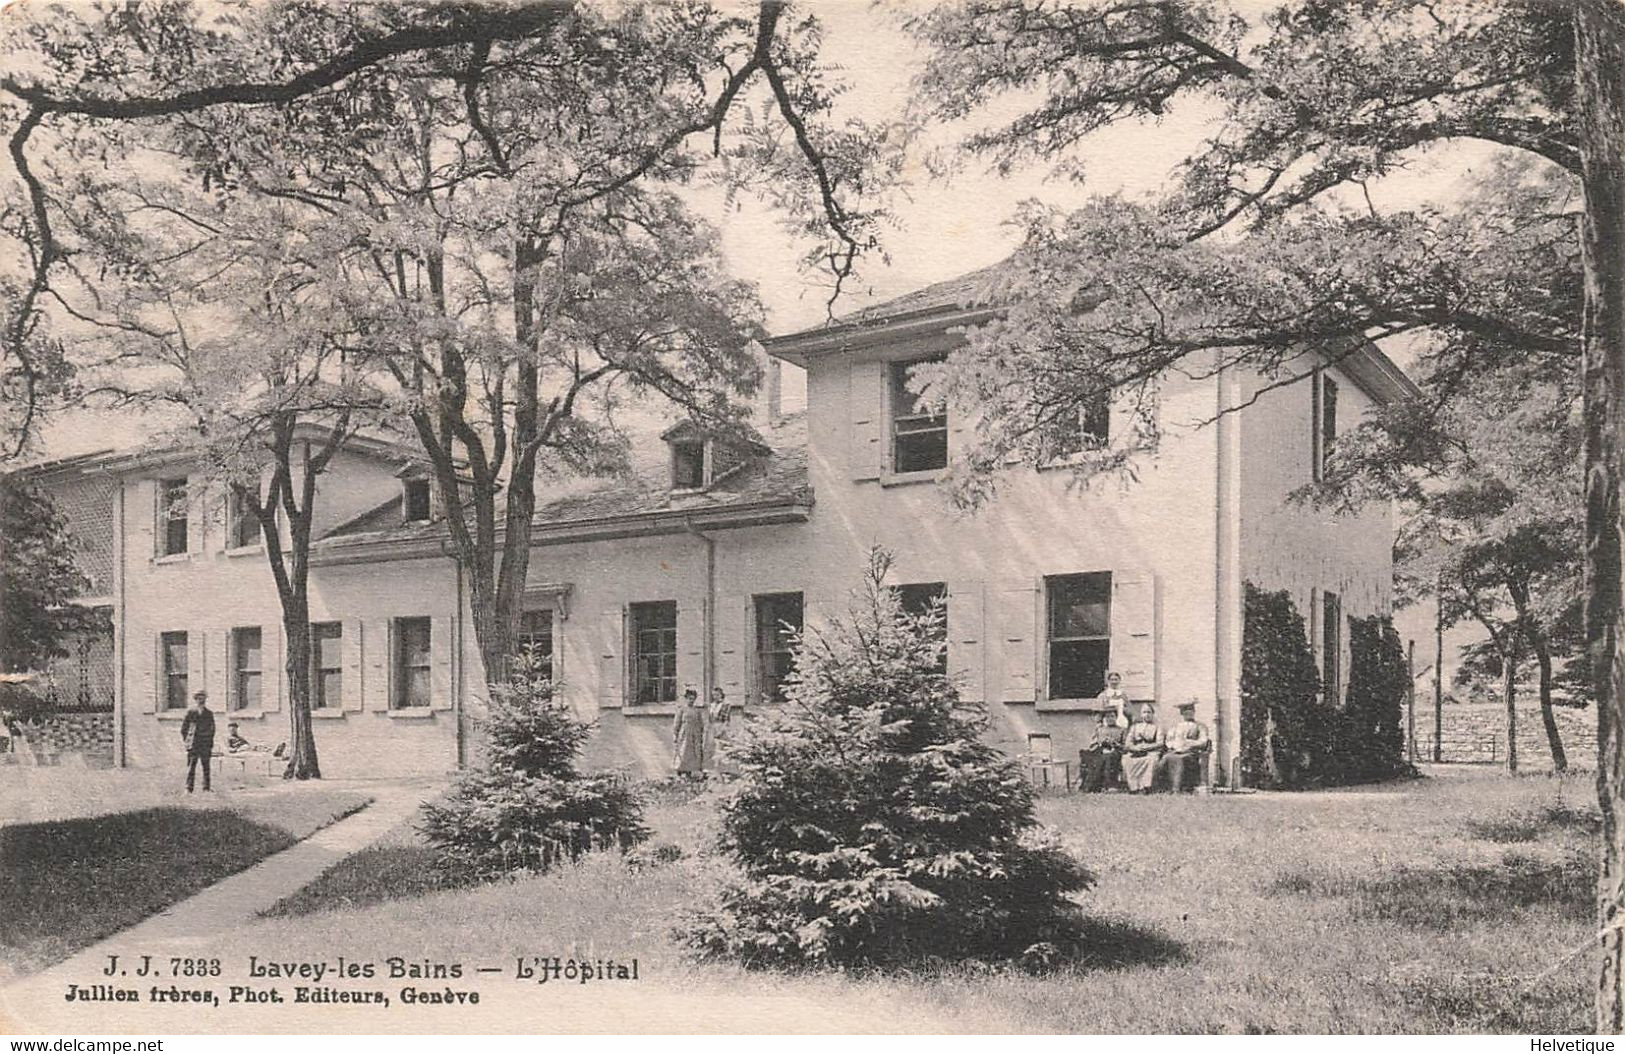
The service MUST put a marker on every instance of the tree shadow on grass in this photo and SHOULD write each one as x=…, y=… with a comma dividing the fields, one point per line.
x=1451, y=897
x=1115, y=943
x=1538, y=824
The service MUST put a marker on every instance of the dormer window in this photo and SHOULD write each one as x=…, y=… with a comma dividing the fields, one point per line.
x=415, y=500
x=688, y=464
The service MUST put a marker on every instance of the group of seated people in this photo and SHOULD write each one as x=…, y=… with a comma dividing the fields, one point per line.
x=1125, y=754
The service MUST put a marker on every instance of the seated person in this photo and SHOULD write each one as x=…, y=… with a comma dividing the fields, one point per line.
x=1188, y=747
x=1142, y=749
x=236, y=743
x=1100, y=763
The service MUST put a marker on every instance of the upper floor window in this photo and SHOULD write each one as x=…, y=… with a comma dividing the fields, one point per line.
x=1079, y=634
x=688, y=464
x=173, y=505
x=413, y=665
x=247, y=672
x=326, y=665
x=1324, y=421
x=535, y=641
x=1086, y=426
x=778, y=622
x=919, y=431
x=415, y=503
x=654, y=652
x=244, y=526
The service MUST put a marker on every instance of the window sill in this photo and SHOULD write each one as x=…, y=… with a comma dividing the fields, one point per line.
x=1089, y=705
x=328, y=713
x=903, y=479
x=171, y=715
x=257, y=549
x=412, y=713
x=172, y=558
x=241, y=715
x=650, y=710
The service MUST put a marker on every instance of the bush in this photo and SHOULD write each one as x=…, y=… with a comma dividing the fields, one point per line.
x=1287, y=733
x=873, y=826
x=531, y=808
x=1372, y=736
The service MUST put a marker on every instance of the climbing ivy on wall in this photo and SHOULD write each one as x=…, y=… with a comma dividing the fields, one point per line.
x=1372, y=740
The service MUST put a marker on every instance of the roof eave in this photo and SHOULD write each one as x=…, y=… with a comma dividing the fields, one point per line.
x=802, y=347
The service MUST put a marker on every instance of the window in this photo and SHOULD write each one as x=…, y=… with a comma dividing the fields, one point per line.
x=919, y=599
x=412, y=664
x=245, y=526
x=1079, y=637
x=654, y=652
x=172, y=654
x=778, y=621
x=536, y=640
x=688, y=464
x=327, y=665
x=246, y=671
x=172, y=513
x=1074, y=430
x=1331, y=647
x=1323, y=421
x=1097, y=418
x=919, y=433
x=415, y=500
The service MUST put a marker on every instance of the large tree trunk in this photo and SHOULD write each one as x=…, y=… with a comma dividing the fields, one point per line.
x=1600, y=94
x=1509, y=696
x=302, y=762
x=1548, y=719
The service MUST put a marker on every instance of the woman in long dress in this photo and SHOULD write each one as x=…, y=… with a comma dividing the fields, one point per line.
x=688, y=736
x=1142, y=746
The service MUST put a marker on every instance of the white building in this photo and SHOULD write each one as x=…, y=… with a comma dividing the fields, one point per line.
x=681, y=578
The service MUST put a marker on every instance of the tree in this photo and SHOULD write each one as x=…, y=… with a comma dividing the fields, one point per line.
x=39, y=578
x=481, y=162
x=1319, y=102
x=874, y=824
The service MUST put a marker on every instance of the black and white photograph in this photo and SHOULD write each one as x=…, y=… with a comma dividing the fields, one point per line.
x=834, y=517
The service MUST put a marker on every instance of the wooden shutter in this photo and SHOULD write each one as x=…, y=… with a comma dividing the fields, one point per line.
x=611, y=657
x=1133, y=629
x=866, y=446
x=380, y=660
x=690, y=646
x=197, y=512
x=148, y=681
x=442, y=695
x=734, y=645
x=966, y=638
x=141, y=519
x=355, y=679
x=1019, y=637
x=273, y=660
x=198, y=667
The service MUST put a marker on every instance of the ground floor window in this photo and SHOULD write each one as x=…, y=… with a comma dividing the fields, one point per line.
x=778, y=622
x=535, y=642
x=412, y=663
x=1079, y=634
x=654, y=652
x=246, y=670
x=172, y=654
x=327, y=665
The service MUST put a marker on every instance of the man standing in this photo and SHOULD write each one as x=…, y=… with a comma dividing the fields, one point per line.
x=1188, y=746
x=197, y=732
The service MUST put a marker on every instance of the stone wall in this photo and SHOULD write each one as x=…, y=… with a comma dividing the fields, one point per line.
x=1476, y=733
x=90, y=736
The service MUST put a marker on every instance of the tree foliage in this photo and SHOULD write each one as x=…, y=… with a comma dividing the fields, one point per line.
x=873, y=823
x=39, y=577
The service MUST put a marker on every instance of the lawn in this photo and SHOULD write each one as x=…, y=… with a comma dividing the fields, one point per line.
x=67, y=883
x=1449, y=904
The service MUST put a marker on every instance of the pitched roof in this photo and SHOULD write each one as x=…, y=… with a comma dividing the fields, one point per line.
x=973, y=289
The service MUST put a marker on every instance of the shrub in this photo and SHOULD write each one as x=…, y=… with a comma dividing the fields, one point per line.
x=1287, y=734
x=1372, y=737
x=873, y=826
x=531, y=808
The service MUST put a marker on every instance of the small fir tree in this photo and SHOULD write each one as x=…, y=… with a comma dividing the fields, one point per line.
x=530, y=808
x=1373, y=735
x=873, y=825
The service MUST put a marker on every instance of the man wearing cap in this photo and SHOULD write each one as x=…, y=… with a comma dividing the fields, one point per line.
x=197, y=732
x=1188, y=746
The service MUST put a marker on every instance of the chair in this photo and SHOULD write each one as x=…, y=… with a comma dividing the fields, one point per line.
x=1041, y=763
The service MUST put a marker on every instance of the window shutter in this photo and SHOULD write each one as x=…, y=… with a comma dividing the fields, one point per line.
x=142, y=519
x=273, y=659
x=966, y=640
x=690, y=646
x=734, y=644
x=1133, y=629
x=866, y=449
x=1018, y=640
x=199, y=668
x=220, y=518
x=355, y=679
x=380, y=659
x=441, y=693
x=197, y=511
x=148, y=680
x=611, y=657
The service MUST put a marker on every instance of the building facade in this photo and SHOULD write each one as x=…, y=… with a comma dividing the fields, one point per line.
x=690, y=573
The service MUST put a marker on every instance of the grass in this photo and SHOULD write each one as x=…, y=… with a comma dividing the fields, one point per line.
x=1449, y=904
x=67, y=883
